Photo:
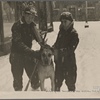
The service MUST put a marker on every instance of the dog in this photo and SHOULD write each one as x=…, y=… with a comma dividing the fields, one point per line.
x=46, y=67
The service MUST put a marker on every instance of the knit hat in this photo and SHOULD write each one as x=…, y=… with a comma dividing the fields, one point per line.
x=29, y=10
x=66, y=15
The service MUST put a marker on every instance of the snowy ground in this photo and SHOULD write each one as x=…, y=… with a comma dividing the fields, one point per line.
x=88, y=67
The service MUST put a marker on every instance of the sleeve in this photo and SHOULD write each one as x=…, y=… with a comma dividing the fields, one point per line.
x=16, y=36
x=57, y=41
x=58, y=37
x=36, y=33
x=75, y=40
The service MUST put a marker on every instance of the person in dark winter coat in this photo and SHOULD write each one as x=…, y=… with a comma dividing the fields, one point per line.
x=65, y=45
x=22, y=56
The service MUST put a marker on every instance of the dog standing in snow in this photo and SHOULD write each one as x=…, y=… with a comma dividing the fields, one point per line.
x=46, y=67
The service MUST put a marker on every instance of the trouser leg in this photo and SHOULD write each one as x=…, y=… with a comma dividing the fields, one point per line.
x=71, y=80
x=71, y=73
x=59, y=77
x=31, y=68
x=17, y=71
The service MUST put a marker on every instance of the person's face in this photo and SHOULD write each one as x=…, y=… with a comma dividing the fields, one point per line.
x=65, y=23
x=29, y=18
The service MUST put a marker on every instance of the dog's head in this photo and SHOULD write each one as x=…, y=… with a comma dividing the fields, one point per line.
x=46, y=54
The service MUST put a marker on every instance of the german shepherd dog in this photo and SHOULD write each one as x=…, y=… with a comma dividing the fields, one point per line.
x=46, y=67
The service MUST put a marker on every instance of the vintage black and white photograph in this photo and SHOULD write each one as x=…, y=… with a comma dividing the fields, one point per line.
x=50, y=49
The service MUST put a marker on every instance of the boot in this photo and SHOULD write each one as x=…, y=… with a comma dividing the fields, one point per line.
x=17, y=89
x=71, y=88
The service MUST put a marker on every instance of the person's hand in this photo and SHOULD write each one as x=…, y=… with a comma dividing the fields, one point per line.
x=36, y=54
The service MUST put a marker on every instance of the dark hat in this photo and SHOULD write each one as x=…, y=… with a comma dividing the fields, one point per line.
x=30, y=11
x=66, y=15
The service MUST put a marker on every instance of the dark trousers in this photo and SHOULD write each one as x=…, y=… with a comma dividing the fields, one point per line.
x=65, y=69
x=20, y=62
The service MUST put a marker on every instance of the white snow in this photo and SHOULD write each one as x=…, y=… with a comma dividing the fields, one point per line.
x=88, y=67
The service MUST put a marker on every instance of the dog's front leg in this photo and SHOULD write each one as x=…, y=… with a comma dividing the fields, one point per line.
x=42, y=85
x=52, y=83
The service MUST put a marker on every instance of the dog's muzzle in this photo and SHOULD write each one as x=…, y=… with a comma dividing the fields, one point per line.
x=46, y=59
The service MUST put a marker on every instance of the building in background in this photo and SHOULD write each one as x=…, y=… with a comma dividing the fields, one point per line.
x=97, y=10
x=78, y=9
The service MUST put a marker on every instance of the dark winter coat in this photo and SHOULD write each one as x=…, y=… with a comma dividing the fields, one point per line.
x=67, y=39
x=22, y=36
